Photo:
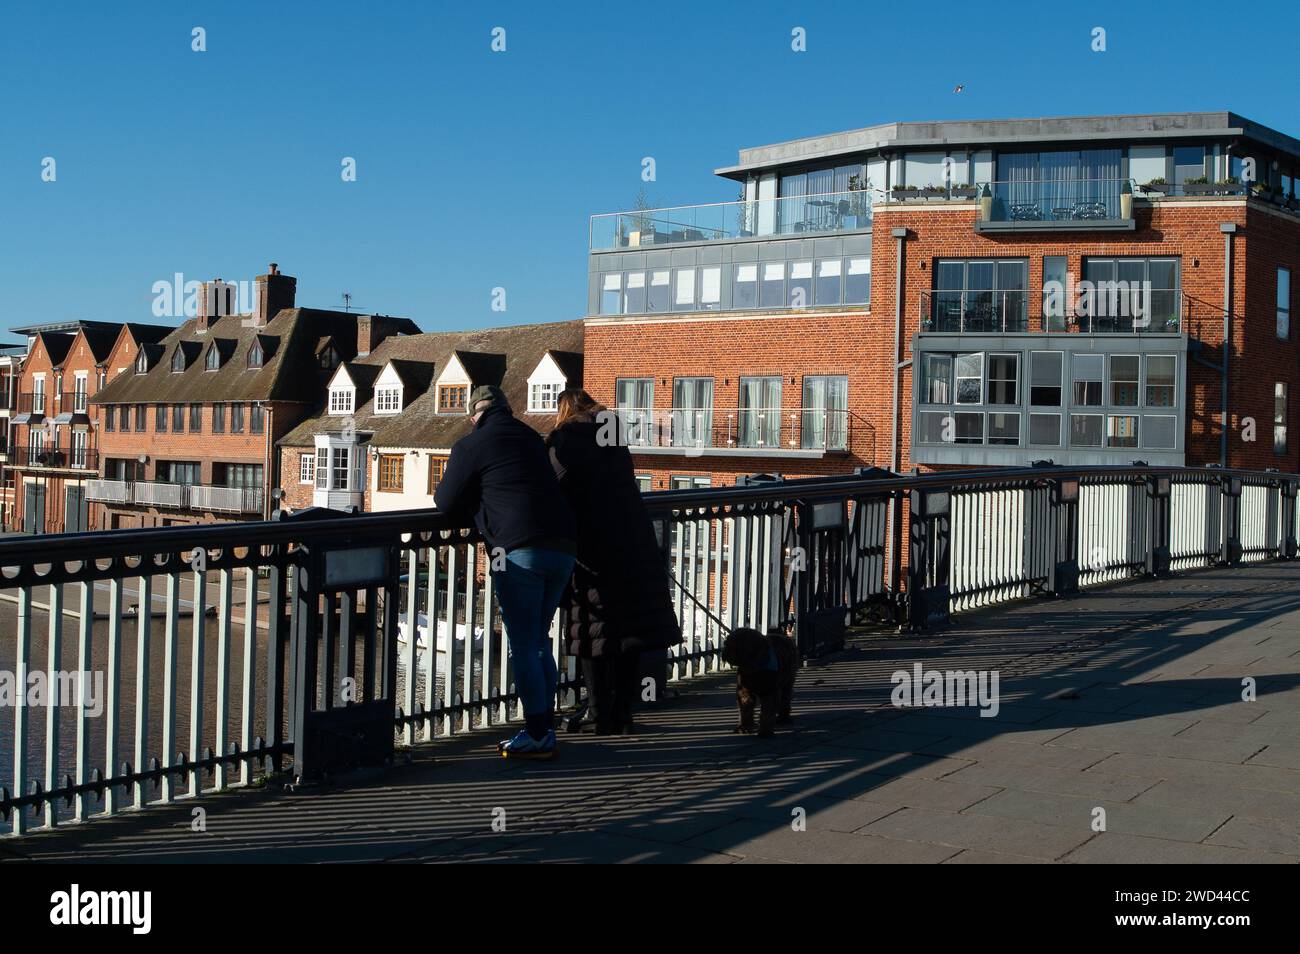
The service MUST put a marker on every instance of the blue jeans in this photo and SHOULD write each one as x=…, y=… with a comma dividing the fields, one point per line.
x=529, y=590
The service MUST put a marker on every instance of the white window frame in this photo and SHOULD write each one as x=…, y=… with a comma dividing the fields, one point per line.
x=958, y=377
x=343, y=400
x=307, y=468
x=544, y=396
x=388, y=399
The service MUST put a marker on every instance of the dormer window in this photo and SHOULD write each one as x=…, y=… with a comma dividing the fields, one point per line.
x=342, y=400
x=388, y=400
x=255, y=354
x=329, y=358
x=178, y=359
x=452, y=398
x=213, y=359
x=141, y=363
x=542, y=398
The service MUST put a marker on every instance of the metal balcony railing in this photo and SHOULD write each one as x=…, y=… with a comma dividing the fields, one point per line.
x=1110, y=308
x=764, y=430
x=36, y=403
x=1078, y=201
x=73, y=402
x=225, y=499
x=230, y=610
x=159, y=493
x=821, y=214
x=109, y=491
x=63, y=458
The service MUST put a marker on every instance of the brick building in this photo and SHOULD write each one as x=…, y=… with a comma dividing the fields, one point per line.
x=965, y=293
x=55, y=441
x=382, y=435
x=11, y=369
x=188, y=433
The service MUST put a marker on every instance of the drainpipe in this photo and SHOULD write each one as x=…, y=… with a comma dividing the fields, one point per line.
x=268, y=479
x=1229, y=229
x=896, y=512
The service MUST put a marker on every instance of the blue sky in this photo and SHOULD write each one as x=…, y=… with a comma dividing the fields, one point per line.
x=477, y=169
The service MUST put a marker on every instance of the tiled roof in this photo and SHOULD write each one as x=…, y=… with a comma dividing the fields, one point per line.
x=509, y=353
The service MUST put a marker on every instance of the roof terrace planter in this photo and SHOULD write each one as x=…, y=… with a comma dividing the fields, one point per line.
x=964, y=192
x=898, y=192
x=1212, y=188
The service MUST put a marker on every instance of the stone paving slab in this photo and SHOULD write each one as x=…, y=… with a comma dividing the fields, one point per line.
x=1127, y=698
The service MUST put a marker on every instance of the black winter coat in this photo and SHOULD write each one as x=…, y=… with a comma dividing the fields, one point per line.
x=500, y=474
x=620, y=599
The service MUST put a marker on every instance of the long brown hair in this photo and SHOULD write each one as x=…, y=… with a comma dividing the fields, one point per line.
x=573, y=402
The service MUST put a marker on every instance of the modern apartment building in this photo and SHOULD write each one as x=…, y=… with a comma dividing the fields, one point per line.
x=188, y=433
x=1095, y=289
x=382, y=435
x=54, y=455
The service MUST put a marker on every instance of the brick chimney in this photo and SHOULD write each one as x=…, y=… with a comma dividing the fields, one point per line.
x=272, y=292
x=216, y=298
x=372, y=329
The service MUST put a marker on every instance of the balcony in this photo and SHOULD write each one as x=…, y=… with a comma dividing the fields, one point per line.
x=818, y=215
x=157, y=493
x=31, y=407
x=72, y=408
x=739, y=432
x=1056, y=204
x=1107, y=310
x=55, y=458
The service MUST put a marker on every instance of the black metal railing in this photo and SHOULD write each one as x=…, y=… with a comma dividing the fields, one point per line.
x=319, y=641
x=55, y=458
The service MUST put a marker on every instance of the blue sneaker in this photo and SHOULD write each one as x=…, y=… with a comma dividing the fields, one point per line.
x=524, y=746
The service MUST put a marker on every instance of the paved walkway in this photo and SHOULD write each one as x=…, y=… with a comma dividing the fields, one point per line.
x=1126, y=699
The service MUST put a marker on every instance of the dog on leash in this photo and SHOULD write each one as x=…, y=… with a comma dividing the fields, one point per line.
x=765, y=670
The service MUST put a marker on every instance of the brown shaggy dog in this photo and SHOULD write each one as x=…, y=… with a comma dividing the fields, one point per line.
x=765, y=669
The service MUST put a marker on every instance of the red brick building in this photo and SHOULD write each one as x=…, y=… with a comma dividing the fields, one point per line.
x=189, y=431
x=969, y=293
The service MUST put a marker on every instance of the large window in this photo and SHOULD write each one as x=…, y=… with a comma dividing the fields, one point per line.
x=1115, y=296
x=1189, y=163
x=771, y=293
x=391, y=468
x=1004, y=379
x=1124, y=380
x=692, y=412
x=237, y=475
x=980, y=295
x=659, y=295
x=744, y=286
x=1088, y=370
x=1045, y=378
x=1284, y=303
x=635, y=400
x=340, y=467
x=760, y=412
x=829, y=272
x=936, y=379
x=826, y=411
x=1160, y=380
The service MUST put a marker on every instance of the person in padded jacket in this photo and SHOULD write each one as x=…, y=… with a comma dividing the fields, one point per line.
x=500, y=474
x=620, y=604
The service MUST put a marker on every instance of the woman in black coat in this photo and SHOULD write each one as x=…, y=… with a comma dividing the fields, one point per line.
x=620, y=603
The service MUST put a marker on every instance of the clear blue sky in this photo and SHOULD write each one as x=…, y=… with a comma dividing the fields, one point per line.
x=479, y=169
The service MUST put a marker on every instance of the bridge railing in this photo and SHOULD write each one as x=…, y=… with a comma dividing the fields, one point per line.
x=146, y=666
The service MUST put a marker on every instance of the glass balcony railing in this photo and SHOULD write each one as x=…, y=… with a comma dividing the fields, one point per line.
x=1106, y=310
x=789, y=215
x=1076, y=201
x=765, y=430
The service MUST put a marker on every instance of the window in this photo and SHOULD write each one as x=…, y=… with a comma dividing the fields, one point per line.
x=1189, y=163
x=634, y=399
x=1122, y=430
x=329, y=358
x=1160, y=431
x=124, y=417
x=611, y=294
x=256, y=419
x=935, y=427
x=542, y=397
x=772, y=291
x=1045, y=430
x=237, y=475
x=178, y=359
x=160, y=418
x=711, y=288
x=1124, y=380
x=1086, y=430
x=1114, y=294
x=969, y=427
x=760, y=412
x=391, y=467
x=79, y=394
x=110, y=414
x=322, y=468
x=970, y=378
x=452, y=398
x=1045, y=380
x=255, y=354
x=388, y=400
x=684, y=289
x=38, y=395
x=1284, y=303
x=178, y=418
x=341, y=461
x=744, y=289
x=218, y=419
x=828, y=281
x=1087, y=380
x=437, y=467
x=306, y=468
x=140, y=418
x=857, y=280
x=212, y=360
x=1054, y=285
x=236, y=418
x=1279, y=417
x=936, y=379
x=801, y=280
x=141, y=362
x=1004, y=428
x=634, y=293
x=341, y=400
x=980, y=295
x=692, y=423
x=179, y=471
x=660, y=290
x=1004, y=379
x=1160, y=380
x=196, y=418
x=826, y=412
